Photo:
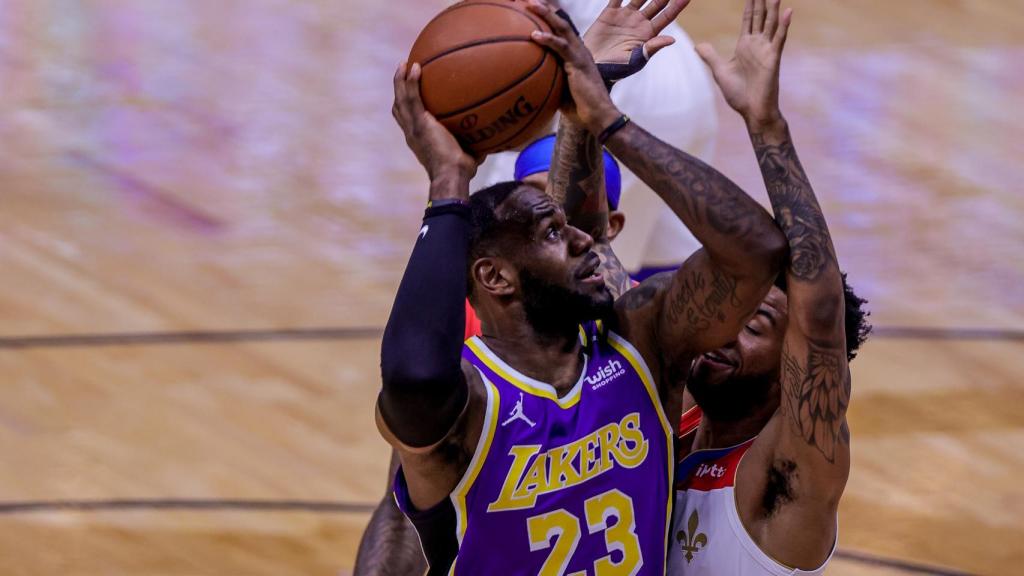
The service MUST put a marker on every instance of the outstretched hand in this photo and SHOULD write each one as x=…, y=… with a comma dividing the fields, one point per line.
x=434, y=146
x=593, y=106
x=624, y=38
x=750, y=79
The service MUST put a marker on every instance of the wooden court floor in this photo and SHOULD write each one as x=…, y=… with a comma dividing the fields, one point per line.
x=205, y=209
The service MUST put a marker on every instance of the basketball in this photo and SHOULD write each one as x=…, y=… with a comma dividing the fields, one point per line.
x=483, y=78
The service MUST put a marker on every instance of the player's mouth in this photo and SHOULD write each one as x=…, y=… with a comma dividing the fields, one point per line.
x=718, y=360
x=589, y=273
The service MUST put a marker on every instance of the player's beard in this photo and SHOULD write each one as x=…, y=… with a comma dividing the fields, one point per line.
x=554, y=309
x=737, y=397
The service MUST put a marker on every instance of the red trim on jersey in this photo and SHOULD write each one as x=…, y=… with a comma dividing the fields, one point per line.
x=472, y=322
x=690, y=420
x=716, y=473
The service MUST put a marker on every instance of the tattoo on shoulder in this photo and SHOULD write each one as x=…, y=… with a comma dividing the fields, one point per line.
x=796, y=209
x=816, y=393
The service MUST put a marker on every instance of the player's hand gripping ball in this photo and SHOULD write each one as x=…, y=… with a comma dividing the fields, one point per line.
x=484, y=78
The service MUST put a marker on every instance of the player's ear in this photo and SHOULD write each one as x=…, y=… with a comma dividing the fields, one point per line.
x=616, y=220
x=494, y=276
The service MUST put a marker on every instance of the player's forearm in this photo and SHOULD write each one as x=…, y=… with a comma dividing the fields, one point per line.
x=816, y=297
x=737, y=233
x=577, y=180
x=423, y=388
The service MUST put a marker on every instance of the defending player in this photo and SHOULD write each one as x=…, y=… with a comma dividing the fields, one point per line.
x=758, y=494
x=585, y=486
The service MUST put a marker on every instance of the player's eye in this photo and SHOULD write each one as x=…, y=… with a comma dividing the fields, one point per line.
x=752, y=330
x=554, y=233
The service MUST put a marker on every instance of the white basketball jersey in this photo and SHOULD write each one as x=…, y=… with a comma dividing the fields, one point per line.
x=708, y=538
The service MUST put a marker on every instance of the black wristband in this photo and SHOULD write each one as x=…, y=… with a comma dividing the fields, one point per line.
x=611, y=130
x=442, y=207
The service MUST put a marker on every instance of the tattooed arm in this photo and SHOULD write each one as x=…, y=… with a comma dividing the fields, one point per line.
x=790, y=482
x=577, y=182
x=622, y=40
x=720, y=286
x=815, y=376
x=815, y=372
x=716, y=290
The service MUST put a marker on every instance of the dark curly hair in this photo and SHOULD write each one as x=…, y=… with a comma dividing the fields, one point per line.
x=857, y=326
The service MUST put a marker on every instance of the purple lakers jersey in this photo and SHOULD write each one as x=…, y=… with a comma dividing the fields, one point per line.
x=574, y=485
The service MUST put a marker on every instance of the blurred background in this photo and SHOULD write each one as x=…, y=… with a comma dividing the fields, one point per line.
x=205, y=209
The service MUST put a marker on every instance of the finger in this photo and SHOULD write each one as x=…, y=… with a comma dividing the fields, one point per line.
x=558, y=24
x=614, y=4
x=400, y=108
x=748, y=17
x=413, y=87
x=636, y=4
x=710, y=56
x=654, y=45
x=400, y=84
x=780, y=35
x=757, y=24
x=652, y=8
x=559, y=45
x=407, y=97
x=771, y=21
x=668, y=15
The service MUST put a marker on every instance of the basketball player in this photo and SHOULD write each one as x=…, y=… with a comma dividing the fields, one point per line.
x=759, y=491
x=389, y=545
x=501, y=483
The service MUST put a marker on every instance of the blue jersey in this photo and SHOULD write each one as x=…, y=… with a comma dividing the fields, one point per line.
x=574, y=485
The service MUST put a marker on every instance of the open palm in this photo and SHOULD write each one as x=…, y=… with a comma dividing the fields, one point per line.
x=619, y=30
x=750, y=79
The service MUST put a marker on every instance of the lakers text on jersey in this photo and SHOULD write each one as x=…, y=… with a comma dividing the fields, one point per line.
x=577, y=484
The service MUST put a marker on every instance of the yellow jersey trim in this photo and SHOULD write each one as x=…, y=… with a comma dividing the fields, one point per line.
x=637, y=361
x=523, y=382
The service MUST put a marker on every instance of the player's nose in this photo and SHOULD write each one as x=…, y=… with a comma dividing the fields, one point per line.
x=580, y=242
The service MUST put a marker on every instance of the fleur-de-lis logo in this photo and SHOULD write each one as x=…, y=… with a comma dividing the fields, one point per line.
x=694, y=541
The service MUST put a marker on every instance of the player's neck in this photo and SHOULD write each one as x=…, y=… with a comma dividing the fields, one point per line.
x=551, y=357
x=713, y=433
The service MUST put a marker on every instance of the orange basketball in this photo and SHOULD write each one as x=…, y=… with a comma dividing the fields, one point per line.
x=483, y=77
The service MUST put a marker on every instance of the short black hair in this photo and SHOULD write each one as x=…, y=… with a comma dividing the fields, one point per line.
x=857, y=326
x=485, y=225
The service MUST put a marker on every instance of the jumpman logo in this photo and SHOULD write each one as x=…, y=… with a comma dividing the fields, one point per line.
x=517, y=414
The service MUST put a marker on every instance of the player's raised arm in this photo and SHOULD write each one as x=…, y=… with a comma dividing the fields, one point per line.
x=815, y=374
x=424, y=389
x=806, y=444
x=622, y=40
x=708, y=300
